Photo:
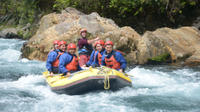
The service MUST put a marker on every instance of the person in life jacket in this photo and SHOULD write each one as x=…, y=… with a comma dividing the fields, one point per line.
x=95, y=57
x=85, y=47
x=53, y=56
x=69, y=61
x=113, y=59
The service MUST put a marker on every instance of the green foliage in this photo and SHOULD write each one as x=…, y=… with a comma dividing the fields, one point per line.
x=126, y=8
x=3, y=26
x=20, y=33
x=87, y=6
x=160, y=58
x=136, y=7
x=14, y=13
x=61, y=4
x=22, y=11
x=124, y=12
x=25, y=11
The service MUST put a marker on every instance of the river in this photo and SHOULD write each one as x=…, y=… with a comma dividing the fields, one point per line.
x=155, y=88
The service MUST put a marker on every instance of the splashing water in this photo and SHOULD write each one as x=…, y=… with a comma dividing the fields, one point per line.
x=155, y=88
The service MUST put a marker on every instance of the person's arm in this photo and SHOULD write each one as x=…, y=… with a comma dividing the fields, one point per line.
x=119, y=57
x=91, y=41
x=96, y=61
x=79, y=68
x=103, y=60
x=63, y=60
x=91, y=58
x=50, y=59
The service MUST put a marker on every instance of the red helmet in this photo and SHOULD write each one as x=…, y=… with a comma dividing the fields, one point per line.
x=62, y=42
x=56, y=42
x=71, y=46
x=83, y=30
x=109, y=43
x=99, y=42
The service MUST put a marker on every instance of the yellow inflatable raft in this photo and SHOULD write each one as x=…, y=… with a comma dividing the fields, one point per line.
x=99, y=78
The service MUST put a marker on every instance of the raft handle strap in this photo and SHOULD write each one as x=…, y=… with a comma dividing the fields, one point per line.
x=104, y=71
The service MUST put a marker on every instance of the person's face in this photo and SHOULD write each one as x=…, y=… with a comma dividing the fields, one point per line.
x=56, y=46
x=83, y=34
x=99, y=47
x=109, y=48
x=72, y=51
x=63, y=47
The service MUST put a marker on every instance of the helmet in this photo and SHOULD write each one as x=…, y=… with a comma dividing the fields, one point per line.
x=83, y=30
x=99, y=42
x=71, y=46
x=109, y=43
x=56, y=42
x=62, y=42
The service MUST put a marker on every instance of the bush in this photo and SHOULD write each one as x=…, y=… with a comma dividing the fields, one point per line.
x=142, y=15
x=22, y=11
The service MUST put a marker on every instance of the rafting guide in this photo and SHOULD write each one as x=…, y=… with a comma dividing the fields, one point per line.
x=85, y=47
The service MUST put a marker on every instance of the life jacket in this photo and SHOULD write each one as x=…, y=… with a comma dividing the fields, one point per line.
x=99, y=57
x=73, y=65
x=56, y=62
x=112, y=62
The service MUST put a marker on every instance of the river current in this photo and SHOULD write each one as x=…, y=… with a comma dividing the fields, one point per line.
x=155, y=88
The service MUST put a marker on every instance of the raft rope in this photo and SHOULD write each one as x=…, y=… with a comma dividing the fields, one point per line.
x=105, y=72
x=106, y=82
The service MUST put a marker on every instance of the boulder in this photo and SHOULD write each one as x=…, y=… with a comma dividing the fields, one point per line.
x=183, y=44
x=66, y=26
x=162, y=45
x=9, y=33
x=150, y=47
